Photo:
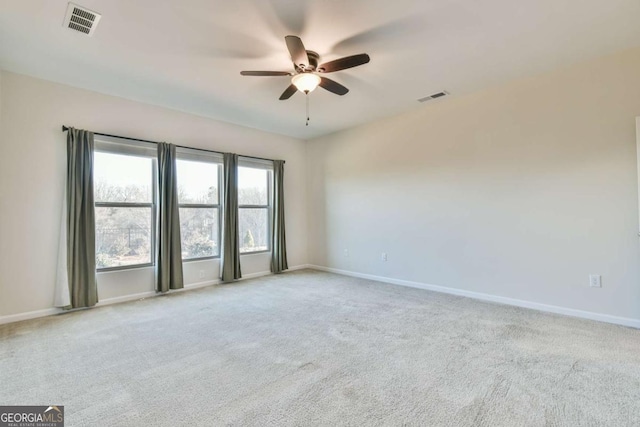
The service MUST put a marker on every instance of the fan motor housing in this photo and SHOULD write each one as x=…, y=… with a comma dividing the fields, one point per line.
x=314, y=58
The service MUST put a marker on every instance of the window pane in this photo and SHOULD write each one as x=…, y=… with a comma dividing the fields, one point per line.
x=199, y=232
x=123, y=236
x=197, y=182
x=253, y=228
x=252, y=186
x=121, y=178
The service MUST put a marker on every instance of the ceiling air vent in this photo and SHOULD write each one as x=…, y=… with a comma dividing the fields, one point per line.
x=433, y=96
x=81, y=19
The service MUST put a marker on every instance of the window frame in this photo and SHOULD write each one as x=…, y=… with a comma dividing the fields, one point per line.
x=112, y=146
x=185, y=154
x=269, y=206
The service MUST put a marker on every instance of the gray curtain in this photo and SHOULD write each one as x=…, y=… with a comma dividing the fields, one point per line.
x=169, y=252
x=278, y=240
x=230, y=254
x=81, y=238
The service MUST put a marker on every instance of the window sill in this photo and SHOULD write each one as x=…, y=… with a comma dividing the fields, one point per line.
x=123, y=268
x=268, y=251
x=204, y=258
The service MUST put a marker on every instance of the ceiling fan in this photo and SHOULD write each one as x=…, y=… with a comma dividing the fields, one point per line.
x=305, y=77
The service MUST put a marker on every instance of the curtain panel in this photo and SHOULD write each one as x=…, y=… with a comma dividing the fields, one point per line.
x=169, y=248
x=278, y=237
x=76, y=278
x=230, y=253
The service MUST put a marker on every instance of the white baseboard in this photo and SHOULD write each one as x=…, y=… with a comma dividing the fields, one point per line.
x=625, y=321
x=299, y=267
x=254, y=275
x=268, y=273
x=125, y=298
x=199, y=285
x=150, y=294
x=115, y=300
x=29, y=315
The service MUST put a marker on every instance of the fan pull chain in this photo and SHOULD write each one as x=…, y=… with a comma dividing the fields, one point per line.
x=307, y=96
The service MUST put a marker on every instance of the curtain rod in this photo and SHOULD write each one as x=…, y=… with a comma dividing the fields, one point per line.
x=66, y=128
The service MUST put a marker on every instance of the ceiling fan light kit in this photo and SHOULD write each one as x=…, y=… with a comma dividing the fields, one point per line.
x=305, y=65
x=306, y=82
x=306, y=69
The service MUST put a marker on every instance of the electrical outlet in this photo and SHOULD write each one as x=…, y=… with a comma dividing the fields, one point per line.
x=202, y=274
x=346, y=253
x=384, y=256
x=595, y=280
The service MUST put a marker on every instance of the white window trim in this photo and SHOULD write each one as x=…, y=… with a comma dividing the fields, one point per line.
x=107, y=144
x=199, y=155
x=110, y=144
x=268, y=166
x=251, y=162
x=206, y=157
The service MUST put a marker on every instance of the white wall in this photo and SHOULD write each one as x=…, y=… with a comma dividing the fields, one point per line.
x=520, y=191
x=32, y=174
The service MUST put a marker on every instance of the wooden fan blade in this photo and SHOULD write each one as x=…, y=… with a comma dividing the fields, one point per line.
x=288, y=92
x=333, y=86
x=344, y=63
x=297, y=51
x=265, y=73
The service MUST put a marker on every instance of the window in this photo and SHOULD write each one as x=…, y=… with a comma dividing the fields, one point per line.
x=199, y=202
x=125, y=203
x=124, y=209
x=254, y=202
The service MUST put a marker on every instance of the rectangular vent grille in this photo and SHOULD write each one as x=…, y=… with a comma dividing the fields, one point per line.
x=433, y=96
x=81, y=19
x=80, y=28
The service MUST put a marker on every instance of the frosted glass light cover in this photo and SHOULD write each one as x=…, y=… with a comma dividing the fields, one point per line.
x=306, y=82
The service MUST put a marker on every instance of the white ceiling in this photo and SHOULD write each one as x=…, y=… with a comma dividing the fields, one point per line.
x=187, y=54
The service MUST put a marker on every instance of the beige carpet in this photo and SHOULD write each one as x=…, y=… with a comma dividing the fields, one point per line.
x=312, y=348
